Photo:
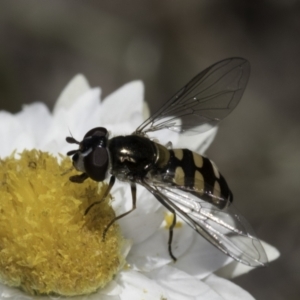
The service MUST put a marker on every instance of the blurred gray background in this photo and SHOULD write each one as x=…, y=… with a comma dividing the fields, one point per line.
x=165, y=43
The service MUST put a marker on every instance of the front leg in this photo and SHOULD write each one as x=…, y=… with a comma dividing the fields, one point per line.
x=133, y=194
x=79, y=178
x=110, y=185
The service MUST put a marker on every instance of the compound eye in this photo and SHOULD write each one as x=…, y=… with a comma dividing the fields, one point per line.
x=96, y=164
x=97, y=131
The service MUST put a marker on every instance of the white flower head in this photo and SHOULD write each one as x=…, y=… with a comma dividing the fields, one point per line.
x=151, y=273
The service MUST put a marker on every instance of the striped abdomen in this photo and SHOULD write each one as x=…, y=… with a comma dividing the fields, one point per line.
x=188, y=169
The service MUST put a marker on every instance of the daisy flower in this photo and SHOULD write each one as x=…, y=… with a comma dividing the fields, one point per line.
x=62, y=253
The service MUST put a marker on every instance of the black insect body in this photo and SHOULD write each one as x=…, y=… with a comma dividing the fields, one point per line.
x=185, y=182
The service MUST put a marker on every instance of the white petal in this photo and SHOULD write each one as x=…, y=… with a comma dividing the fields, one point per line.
x=235, y=269
x=7, y=292
x=137, y=286
x=123, y=200
x=74, y=89
x=153, y=252
x=127, y=244
x=150, y=254
x=202, y=258
x=30, y=116
x=95, y=296
x=272, y=252
x=227, y=289
x=181, y=286
x=198, y=143
x=146, y=110
x=138, y=226
x=144, y=220
x=165, y=136
x=9, y=129
x=83, y=110
x=121, y=128
x=23, y=141
x=111, y=289
x=125, y=104
x=11, y=132
x=78, y=119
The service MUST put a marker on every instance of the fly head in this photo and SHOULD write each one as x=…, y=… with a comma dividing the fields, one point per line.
x=92, y=156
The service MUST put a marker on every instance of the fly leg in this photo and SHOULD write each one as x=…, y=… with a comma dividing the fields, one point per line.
x=79, y=178
x=162, y=199
x=110, y=185
x=171, y=230
x=171, y=233
x=133, y=194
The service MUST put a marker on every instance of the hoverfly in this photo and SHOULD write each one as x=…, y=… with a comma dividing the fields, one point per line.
x=185, y=182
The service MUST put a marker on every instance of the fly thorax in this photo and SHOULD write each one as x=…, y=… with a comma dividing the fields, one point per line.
x=132, y=154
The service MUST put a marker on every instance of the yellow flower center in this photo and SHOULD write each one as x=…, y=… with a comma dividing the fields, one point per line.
x=47, y=244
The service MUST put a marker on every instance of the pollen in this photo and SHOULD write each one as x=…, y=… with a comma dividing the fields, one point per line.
x=47, y=243
x=169, y=217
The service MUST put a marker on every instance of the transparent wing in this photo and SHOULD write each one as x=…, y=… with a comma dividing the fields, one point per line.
x=204, y=101
x=225, y=228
